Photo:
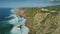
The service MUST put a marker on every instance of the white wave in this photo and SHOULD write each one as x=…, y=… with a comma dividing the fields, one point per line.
x=18, y=20
x=15, y=30
x=22, y=30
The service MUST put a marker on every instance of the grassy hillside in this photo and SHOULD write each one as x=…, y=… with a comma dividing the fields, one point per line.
x=43, y=22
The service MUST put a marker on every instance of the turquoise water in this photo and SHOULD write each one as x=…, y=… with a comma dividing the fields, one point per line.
x=5, y=27
x=8, y=25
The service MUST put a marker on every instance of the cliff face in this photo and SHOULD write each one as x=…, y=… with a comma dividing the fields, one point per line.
x=47, y=25
x=43, y=22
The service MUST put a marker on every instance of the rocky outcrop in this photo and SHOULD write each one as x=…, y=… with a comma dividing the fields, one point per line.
x=46, y=23
x=43, y=22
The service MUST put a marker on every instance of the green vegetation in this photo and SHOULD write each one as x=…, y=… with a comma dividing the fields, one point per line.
x=47, y=25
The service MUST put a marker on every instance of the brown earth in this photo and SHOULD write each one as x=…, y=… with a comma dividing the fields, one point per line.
x=40, y=22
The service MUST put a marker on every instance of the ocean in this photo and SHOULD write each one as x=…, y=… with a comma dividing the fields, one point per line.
x=8, y=25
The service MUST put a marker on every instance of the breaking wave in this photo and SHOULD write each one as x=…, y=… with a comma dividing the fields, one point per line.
x=11, y=26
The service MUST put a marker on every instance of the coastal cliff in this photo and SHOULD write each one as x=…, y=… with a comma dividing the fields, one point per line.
x=42, y=22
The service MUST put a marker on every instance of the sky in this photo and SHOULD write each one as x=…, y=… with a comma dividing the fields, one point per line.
x=26, y=3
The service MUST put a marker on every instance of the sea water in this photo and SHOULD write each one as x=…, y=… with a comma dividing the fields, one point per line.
x=9, y=22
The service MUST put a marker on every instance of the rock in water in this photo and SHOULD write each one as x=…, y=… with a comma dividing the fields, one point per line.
x=6, y=23
x=15, y=30
x=24, y=30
